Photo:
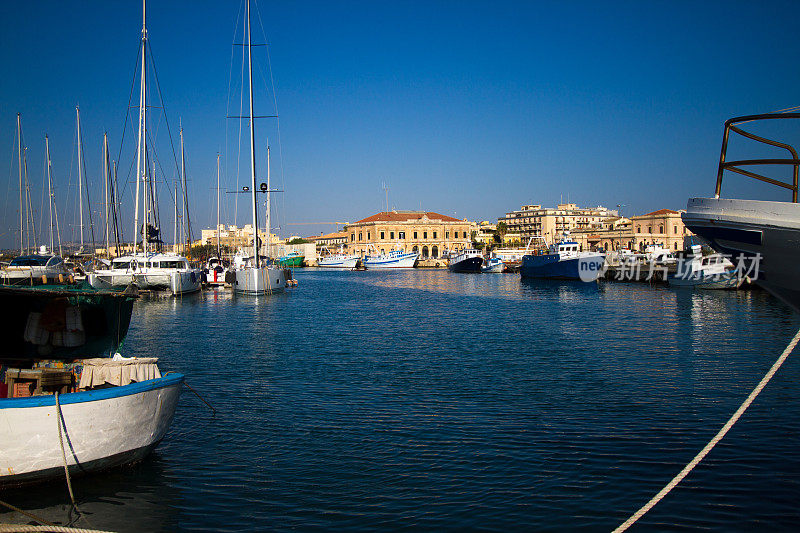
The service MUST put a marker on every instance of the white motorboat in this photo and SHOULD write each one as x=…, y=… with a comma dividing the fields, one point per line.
x=760, y=234
x=214, y=272
x=34, y=269
x=697, y=271
x=155, y=272
x=494, y=265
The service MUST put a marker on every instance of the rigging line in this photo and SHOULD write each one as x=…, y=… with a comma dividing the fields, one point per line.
x=14, y=146
x=277, y=114
x=164, y=107
x=128, y=108
x=228, y=99
x=239, y=139
x=88, y=196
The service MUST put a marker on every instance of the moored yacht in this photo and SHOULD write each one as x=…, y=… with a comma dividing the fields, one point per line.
x=34, y=269
x=338, y=260
x=763, y=234
x=713, y=271
x=154, y=272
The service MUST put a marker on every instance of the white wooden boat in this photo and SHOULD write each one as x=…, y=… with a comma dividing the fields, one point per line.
x=494, y=265
x=100, y=429
x=338, y=260
x=393, y=259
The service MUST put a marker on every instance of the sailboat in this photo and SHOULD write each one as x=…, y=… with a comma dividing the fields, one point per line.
x=148, y=269
x=250, y=275
x=34, y=268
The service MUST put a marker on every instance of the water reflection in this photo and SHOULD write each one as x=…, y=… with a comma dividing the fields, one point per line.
x=136, y=498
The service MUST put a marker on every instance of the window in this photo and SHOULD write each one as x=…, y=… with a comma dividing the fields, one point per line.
x=360, y=235
x=352, y=237
x=401, y=235
x=661, y=228
x=415, y=235
x=638, y=229
x=446, y=234
x=383, y=236
x=425, y=236
x=674, y=230
x=649, y=229
x=391, y=235
x=434, y=236
x=368, y=236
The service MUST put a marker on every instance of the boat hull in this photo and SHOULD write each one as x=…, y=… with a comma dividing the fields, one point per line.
x=493, y=268
x=551, y=266
x=469, y=265
x=769, y=231
x=725, y=282
x=293, y=261
x=101, y=429
x=259, y=280
x=407, y=261
x=350, y=262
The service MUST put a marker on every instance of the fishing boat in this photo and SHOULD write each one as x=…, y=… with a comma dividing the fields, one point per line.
x=466, y=261
x=64, y=403
x=563, y=260
x=393, y=259
x=493, y=265
x=292, y=259
x=251, y=275
x=697, y=271
x=762, y=234
x=338, y=260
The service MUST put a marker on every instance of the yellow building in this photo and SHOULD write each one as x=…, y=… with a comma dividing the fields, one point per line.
x=663, y=227
x=536, y=221
x=430, y=234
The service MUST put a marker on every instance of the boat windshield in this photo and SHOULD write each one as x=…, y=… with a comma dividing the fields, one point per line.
x=172, y=264
x=121, y=265
x=30, y=260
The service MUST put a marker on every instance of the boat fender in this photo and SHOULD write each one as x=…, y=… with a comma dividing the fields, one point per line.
x=230, y=277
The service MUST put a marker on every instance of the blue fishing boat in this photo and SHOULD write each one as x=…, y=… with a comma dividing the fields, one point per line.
x=563, y=260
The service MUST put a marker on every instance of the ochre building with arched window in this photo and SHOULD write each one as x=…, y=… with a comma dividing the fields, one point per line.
x=426, y=232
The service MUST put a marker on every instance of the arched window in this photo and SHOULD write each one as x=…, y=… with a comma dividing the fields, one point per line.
x=415, y=249
x=638, y=229
x=424, y=252
x=661, y=228
x=435, y=252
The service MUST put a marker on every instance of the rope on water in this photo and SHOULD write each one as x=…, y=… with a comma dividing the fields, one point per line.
x=23, y=528
x=29, y=515
x=713, y=442
x=59, y=419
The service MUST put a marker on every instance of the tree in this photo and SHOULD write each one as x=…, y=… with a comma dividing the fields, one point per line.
x=297, y=240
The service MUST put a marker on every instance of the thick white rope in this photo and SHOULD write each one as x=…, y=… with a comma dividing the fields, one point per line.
x=22, y=528
x=713, y=442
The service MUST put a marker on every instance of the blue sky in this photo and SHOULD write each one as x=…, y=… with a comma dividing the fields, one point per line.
x=470, y=109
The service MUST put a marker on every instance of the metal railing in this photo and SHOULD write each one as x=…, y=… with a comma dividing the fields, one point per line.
x=733, y=166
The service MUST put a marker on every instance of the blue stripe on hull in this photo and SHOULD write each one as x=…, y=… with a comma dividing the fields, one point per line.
x=92, y=395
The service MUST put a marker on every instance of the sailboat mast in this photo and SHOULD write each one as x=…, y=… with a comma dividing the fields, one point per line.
x=80, y=174
x=269, y=240
x=140, y=169
x=186, y=235
x=21, y=207
x=252, y=143
x=49, y=189
x=105, y=186
x=219, y=254
x=175, y=239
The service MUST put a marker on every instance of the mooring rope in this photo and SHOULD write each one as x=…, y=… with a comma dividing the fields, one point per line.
x=63, y=451
x=713, y=442
x=23, y=528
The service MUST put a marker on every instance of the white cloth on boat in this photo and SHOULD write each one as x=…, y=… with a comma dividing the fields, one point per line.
x=120, y=371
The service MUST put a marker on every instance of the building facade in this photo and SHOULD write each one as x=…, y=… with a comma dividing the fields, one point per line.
x=663, y=227
x=428, y=233
x=535, y=221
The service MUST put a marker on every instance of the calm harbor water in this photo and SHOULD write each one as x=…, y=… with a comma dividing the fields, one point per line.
x=437, y=401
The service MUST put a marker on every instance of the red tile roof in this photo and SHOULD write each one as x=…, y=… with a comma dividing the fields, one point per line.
x=404, y=216
x=661, y=212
